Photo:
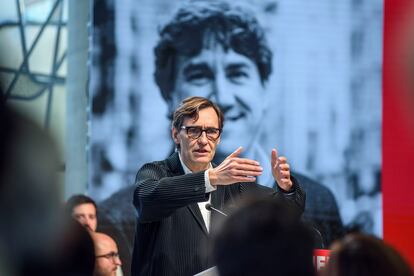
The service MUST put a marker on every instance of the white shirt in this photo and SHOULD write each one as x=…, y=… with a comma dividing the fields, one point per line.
x=209, y=188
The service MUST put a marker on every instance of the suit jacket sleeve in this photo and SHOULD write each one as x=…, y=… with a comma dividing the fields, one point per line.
x=158, y=193
x=295, y=198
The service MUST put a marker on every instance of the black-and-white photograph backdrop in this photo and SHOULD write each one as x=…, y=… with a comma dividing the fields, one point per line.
x=300, y=76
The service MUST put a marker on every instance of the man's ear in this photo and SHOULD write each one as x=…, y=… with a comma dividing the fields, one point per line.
x=174, y=135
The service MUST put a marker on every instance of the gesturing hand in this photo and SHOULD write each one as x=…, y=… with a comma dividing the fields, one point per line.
x=281, y=171
x=235, y=169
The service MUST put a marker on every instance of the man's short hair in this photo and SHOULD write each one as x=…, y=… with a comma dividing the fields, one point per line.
x=233, y=27
x=264, y=237
x=190, y=107
x=77, y=200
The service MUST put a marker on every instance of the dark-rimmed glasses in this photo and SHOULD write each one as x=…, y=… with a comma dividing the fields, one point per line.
x=194, y=132
x=110, y=255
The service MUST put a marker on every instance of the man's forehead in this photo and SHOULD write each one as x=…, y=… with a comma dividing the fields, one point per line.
x=193, y=122
x=84, y=206
x=212, y=119
x=213, y=57
x=106, y=246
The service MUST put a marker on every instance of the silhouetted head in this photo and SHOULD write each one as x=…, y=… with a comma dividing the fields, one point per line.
x=365, y=255
x=264, y=237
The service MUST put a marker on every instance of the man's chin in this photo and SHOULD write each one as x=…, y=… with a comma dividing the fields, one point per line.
x=202, y=159
x=205, y=159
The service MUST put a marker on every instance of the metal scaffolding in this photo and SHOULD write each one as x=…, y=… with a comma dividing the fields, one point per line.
x=36, y=83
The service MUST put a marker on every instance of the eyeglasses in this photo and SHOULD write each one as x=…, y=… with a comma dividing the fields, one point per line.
x=110, y=255
x=194, y=132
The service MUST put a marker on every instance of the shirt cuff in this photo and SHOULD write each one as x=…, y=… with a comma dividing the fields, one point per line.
x=209, y=187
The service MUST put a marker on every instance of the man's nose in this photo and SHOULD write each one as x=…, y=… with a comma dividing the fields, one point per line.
x=87, y=226
x=203, y=138
x=117, y=261
x=223, y=92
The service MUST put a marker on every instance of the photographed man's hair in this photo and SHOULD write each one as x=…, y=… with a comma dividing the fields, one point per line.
x=77, y=200
x=233, y=27
x=190, y=107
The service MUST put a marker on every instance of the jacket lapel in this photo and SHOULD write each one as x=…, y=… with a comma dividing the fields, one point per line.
x=176, y=169
x=195, y=210
x=217, y=198
x=217, y=201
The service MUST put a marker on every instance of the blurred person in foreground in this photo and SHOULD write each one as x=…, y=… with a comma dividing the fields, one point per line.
x=29, y=192
x=173, y=224
x=35, y=239
x=365, y=255
x=83, y=209
x=264, y=237
x=107, y=258
x=74, y=251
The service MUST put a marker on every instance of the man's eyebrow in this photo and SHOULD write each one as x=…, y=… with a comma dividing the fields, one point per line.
x=238, y=65
x=201, y=126
x=196, y=66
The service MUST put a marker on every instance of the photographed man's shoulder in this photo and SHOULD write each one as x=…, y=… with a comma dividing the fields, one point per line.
x=153, y=166
x=255, y=189
x=166, y=166
x=310, y=185
x=119, y=205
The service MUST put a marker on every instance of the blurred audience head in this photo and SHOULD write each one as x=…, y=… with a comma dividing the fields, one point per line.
x=74, y=252
x=83, y=209
x=107, y=258
x=365, y=255
x=35, y=239
x=264, y=237
x=30, y=197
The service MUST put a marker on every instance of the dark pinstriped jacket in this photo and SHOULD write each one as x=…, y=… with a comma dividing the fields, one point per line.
x=171, y=237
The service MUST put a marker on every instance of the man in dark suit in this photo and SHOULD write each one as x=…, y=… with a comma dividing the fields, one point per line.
x=172, y=236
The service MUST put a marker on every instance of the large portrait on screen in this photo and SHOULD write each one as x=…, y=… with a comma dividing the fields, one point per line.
x=302, y=77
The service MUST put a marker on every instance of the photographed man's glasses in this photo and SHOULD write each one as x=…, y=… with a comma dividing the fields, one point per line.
x=110, y=255
x=194, y=132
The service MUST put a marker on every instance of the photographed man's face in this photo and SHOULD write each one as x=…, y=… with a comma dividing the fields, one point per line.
x=197, y=153
x=85, y=214
x=233, y=82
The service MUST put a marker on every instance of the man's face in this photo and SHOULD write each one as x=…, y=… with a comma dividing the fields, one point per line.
x=197, y=153
x=85, y=214
x=233, y=82
x=107, y=260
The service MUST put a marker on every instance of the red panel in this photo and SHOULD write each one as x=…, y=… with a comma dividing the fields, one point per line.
x=398, y=131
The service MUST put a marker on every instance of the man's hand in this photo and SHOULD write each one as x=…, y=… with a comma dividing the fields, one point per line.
x=281, y=171
x=234, y=169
